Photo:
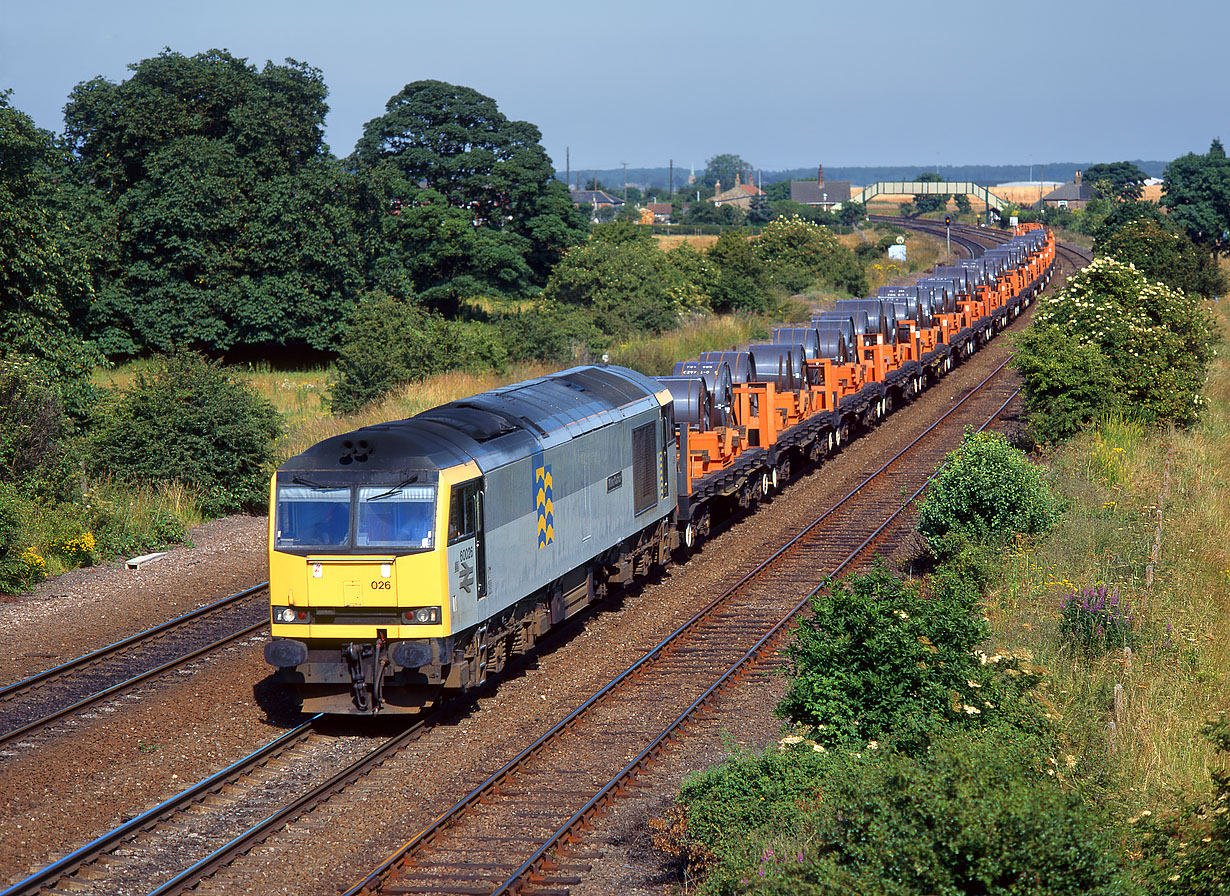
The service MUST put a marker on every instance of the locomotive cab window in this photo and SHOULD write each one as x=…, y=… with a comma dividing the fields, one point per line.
x=463, y=512
x=312, y=517
x=396, y=517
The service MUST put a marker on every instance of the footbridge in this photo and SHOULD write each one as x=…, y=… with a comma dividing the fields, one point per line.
x=930, y=188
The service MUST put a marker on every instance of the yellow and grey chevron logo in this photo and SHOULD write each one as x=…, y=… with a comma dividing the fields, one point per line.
x=545, y=504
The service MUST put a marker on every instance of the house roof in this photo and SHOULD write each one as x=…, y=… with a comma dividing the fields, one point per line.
x=659, y=208
x=809, y=192
x=594, y=197
x=1070, y=192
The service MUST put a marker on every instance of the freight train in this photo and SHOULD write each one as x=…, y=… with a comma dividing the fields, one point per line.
x=411, y=560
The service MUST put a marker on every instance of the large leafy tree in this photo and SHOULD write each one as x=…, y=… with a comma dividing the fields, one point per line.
x=455, y=142
x=230, y=223
x=1116, y=180
x=41, y=276
x=1196, y=189
x=722, y=169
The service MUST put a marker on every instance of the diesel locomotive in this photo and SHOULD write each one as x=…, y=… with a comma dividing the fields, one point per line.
x=412, y=559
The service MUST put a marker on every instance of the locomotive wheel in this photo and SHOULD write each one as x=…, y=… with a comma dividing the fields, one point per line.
x=767, y=482
x=689, y=536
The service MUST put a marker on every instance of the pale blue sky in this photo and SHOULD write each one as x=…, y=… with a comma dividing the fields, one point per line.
x=783, y=83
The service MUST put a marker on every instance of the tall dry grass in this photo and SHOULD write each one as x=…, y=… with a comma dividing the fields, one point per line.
x=656, y=355
x=1179, y=669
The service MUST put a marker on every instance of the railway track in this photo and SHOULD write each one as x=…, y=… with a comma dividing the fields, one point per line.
x=500, y=837
x=969, y=238
x=573, y=771
x=30, y=706
x=576, y=768
x=617, y=730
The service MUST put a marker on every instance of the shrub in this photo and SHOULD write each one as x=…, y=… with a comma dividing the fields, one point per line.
x=36, y=450
x=626, y=281
x=389, y=342
x=878, y=661
x=1189, y=855
x=188, y=420
x=797, y=253
x=741, y=283
x=1114, y=340
x=1164, y=253
x=977, y=813
x=1095, y=619
x=987, y=491
x=20, y=565
x=551, y=332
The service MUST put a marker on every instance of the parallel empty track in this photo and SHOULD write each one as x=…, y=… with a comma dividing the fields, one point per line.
x=34, y=703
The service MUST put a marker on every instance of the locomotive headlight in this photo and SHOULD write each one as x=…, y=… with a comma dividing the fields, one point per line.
x=289, y=614
x=421, y=616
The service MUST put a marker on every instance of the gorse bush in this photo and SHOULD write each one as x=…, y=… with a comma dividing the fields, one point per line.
x=1114, y=340
x=188, y=420
x=987, y=491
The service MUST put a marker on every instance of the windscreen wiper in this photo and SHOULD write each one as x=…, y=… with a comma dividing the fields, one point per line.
x=395, y=489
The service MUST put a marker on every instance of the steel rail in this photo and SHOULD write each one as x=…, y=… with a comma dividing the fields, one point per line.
x=129, y=683
x=74, y=860
x=72, y=665
x=494, y=780
x=522, y=875
x=189, y=877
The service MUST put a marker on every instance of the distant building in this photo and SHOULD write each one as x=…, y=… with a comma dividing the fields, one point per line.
x=740, y=195
x=819, y=194
x=1074, y=195
x=661, y=212
x=597, y=198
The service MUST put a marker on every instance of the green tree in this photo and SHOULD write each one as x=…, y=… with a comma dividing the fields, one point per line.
x=928, y=203
x=963, y=204
x=390, y=341
x=1162, y=252
x=432, y=250
x=742, y=283
x=797, y=254
x=231, y=225
x=778, y=191
x=758, y=212
x=42, y=275
x=851, y=213
x=1116, y=180
x=1196, y=190
x=455, y=141
x=722, y=169
x=628, y=283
